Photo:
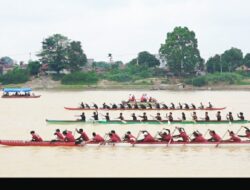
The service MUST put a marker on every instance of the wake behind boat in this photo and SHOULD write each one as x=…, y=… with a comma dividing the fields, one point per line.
x=142, y=144
x=149, y=122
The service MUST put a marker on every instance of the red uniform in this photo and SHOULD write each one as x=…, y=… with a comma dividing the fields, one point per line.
x=235, y=138
x=167, y=138
x=200, y=139
x=184, y=136
x=216, y=138
x=114, y=139
x=149, y=138
x=69, y=137
x=131, y=138
x=84, y=136
x=36, y=138
x=59, y=135
x=248, y=134
x=117, y=137
x=98, y=139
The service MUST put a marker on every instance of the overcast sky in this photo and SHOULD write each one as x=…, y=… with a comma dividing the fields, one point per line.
x=122, y=27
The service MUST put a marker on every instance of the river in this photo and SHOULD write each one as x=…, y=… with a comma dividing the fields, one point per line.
x=20, y=116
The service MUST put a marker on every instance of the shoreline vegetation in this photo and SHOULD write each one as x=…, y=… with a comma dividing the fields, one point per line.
x=63, y=65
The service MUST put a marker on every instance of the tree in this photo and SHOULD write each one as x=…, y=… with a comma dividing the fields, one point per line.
x=7, y=60
x=247, y=60
x=214, y=64
x=181, y=51
x=231, y=59
x=34, y=67
x=148, y=60
x=55, y=52
x=76, y=56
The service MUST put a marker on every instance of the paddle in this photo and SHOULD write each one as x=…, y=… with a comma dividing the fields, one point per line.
x=221, y=139
x=172, y=134
x=206, y=133
x=138, y=135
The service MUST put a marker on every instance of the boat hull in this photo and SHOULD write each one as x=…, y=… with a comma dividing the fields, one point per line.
x=154, y=109
x=22, y=97
x=155, y=144
x=128, y=122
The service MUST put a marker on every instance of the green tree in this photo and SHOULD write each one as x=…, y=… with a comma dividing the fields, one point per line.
x=76, y=56
x=55, y=52
x=214, y=64
x=231, y=59
x=34, y=67
x=181, y=51
x=247, y=60
x=16, y=76
x=148, y=60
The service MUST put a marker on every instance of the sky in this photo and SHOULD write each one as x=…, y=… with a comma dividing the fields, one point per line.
x=122, y=27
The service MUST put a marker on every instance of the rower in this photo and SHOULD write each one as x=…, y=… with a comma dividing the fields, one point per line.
x=59, y=136
x=143, y=107
x=129, y=106
x=107, y=117
x=214, y=137
x=129, y=138
x=210, y=105
x=95, y=116
x=104, y=106
x=165, y=136
x=186, y=106
x=183, y=116
x=218, y=116
x=193, y=106
x=134, y=117
x=170, y=117
x=97, y=138
x=144, y=117
x=87, y=106
x=241, y=116
x=183, y=135
x=180, y=106
x=95, y=106
x=83, y=138
x=150, y=106
x=136, y=107
x=68, y=136
x=207, y=118
x=158, y=117
x=114, y=106
x=201, y=106
x=230, y=116
x=35, y=137
x=133, y=98
x=233, y=137
x=83, y=117
x=122, y=106
x=172, y=106
x=82, y=105
x=194, y=116
x=113, y=133
x=247, y=132
x=157, y=106
x=121, y=117
x=164, y=106
x=198, y=137
x=148, y=138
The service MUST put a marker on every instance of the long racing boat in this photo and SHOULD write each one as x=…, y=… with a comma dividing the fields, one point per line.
x=149, y=122
x=148, y=109
x=123, y=144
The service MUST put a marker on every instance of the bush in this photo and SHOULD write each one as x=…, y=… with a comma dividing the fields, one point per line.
x=16, y=76
x=80, y=78
x=199, y=81
x=120, y=77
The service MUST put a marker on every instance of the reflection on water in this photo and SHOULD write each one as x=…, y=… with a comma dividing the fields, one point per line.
x=21, y=116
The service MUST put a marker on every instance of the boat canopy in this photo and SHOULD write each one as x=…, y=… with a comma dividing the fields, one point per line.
x=17, y=89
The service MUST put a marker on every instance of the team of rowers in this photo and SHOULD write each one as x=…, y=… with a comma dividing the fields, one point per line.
x=158, y=117
x=137, y=106
x=164, y=136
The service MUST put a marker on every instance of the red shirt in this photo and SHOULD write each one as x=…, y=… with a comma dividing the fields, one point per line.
x=59, y=136
x=200, y=138
x=37, y=138
x=98, y=139
x=149, y=138
x=235, y=138
x=118, y=138
x=69, y=137
x=184, y=136
x=131, y=138
x=167, y=138
x=114, y=139
x=216, y=137
x=85, y=136
x=248, y=134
